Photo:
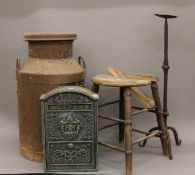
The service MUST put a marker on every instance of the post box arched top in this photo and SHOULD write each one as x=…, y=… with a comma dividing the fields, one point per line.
x=65, y=89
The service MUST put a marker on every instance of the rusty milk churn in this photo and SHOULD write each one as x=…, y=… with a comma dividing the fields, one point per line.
x=50, y=64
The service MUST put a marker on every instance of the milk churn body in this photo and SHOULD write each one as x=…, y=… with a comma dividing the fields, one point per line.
x=49, y=65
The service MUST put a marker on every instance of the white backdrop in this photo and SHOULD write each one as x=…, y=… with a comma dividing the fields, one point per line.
x=124, y=34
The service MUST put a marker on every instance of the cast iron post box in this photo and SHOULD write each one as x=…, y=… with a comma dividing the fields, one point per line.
x=69, y=128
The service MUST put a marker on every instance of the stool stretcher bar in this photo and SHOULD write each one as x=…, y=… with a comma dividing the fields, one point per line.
x=114, y=124
x=107, y=126
x=135, y=142
x=149, y=109
x=113, y=119
x=146, y=137
x=139, y=111
x=108, y=103
x=134, y=107
x=139, y=131
x=122, y=121
x=111, y=146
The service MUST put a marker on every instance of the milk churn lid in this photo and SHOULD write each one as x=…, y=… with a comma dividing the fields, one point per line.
x=45, y=36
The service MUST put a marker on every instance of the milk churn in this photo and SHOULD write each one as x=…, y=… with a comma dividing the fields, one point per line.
x=50, y=64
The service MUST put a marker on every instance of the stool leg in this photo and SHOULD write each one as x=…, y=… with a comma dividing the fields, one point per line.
x=121, y=115
x=95, y=88
x=165, y=138
x=128, y=130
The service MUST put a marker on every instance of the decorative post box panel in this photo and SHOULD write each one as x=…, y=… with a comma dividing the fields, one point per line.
x=69, y=127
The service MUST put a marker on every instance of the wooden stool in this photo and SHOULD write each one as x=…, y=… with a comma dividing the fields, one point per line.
x=126, y=114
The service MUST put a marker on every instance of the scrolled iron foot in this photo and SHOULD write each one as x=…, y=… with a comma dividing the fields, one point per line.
x=143, y=144
x=177, y=140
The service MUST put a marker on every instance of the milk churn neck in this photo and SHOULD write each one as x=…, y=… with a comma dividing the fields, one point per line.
x=50, y=45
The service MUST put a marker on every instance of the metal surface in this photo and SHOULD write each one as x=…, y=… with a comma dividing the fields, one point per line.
x=69, y=126
x=166, y=16
x=166, y=68
x=46, y=68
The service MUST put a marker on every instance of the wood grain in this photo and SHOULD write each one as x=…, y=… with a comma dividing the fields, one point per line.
x=140, y=76
x=113, y=81
x=144, y=98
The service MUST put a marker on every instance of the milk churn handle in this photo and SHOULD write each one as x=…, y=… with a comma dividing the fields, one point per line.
x=81, y=62
x=17, y=64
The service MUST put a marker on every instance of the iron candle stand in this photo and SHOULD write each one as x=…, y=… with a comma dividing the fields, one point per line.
x=165, y=68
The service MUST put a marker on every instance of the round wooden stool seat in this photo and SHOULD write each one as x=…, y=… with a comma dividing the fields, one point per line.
x=109, y=80
x=141, y=76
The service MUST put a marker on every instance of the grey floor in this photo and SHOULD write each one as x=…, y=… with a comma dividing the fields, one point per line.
x=146, y=161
